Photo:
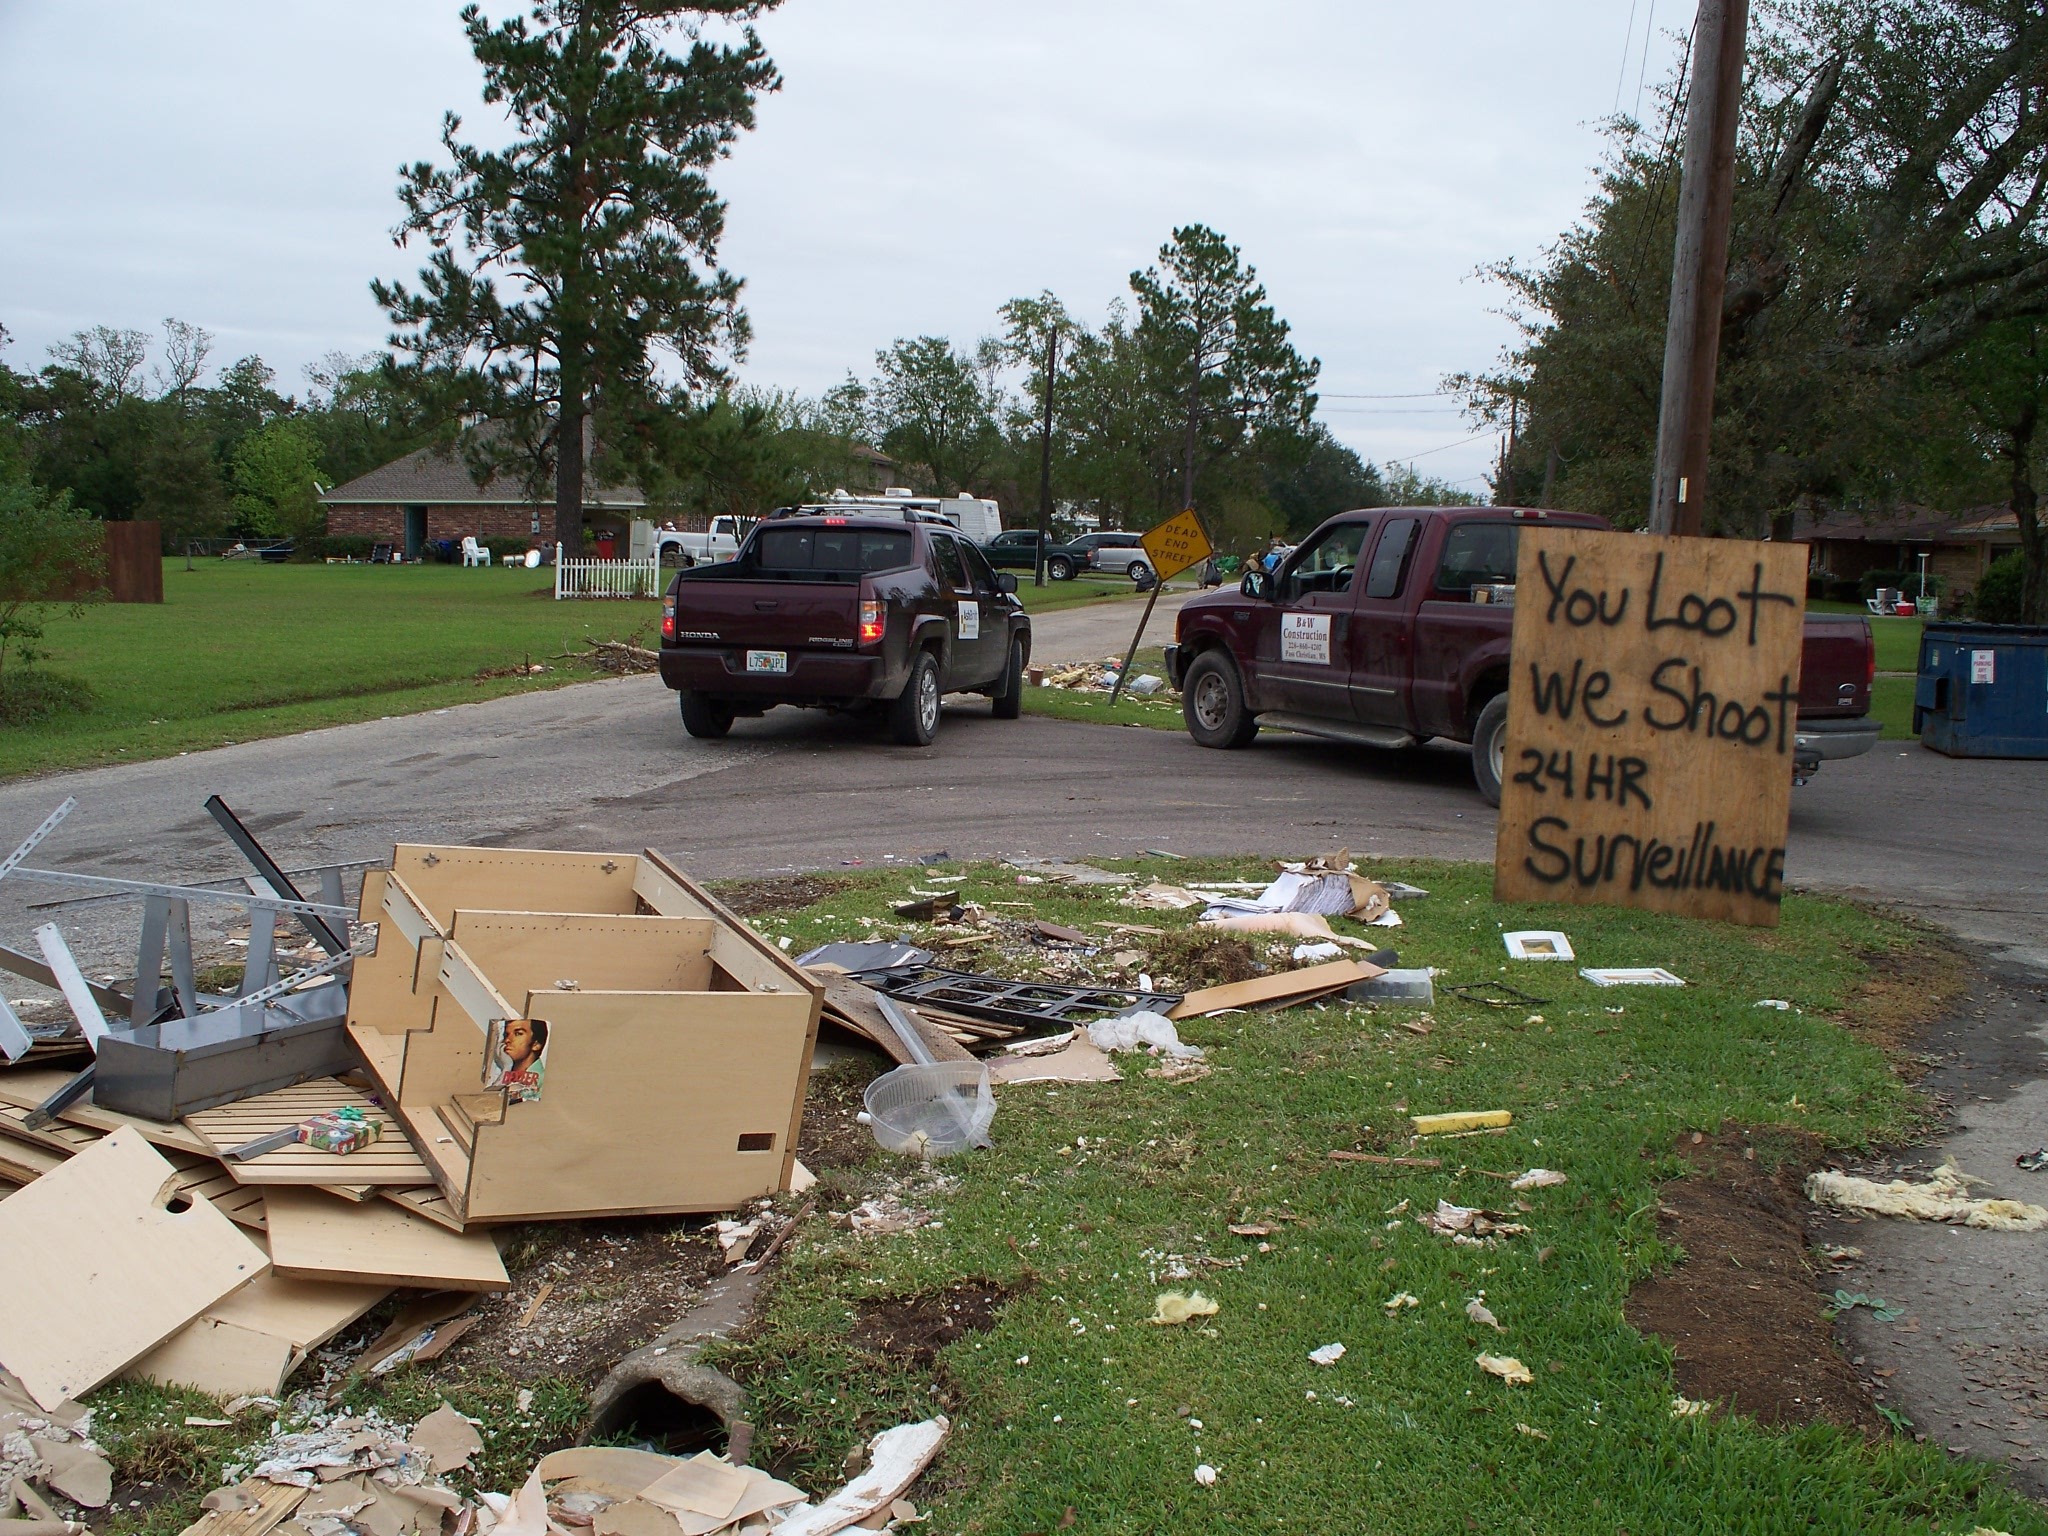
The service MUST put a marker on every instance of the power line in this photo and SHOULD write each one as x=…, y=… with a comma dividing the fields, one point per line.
x=1427, y=394
x=1380, y=410
x=1649, y=30
x=1627, y=37
x=1446, y=448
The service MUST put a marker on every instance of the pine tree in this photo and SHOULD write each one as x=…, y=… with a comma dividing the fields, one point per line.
x=565, y=266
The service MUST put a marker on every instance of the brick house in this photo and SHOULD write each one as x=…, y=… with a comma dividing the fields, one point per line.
x=1958, y=545
x=429, y=496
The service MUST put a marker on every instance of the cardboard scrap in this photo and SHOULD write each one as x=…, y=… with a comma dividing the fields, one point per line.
x=86, y=1297
x=1078, y=1061
x=447, y=1438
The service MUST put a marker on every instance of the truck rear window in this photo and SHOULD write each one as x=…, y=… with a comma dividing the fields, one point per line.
x=1476, y=553
x=856, y=551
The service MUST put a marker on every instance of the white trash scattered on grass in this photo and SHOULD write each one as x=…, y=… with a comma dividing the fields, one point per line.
x=1329, y=1354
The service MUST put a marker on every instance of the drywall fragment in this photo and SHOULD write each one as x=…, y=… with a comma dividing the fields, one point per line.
x=1329, y=1354
x=896, y=1459
x=447, y=1438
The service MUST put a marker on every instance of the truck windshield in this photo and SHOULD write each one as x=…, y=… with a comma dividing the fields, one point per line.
x=855, y=551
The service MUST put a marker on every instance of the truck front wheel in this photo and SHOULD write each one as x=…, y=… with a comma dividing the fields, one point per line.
x=1213, y=705
x=1490, y=748
x=704, y=717
x=914, y=717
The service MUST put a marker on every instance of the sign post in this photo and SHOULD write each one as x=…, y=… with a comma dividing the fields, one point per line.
x=1652, y=707
x=1172, y=547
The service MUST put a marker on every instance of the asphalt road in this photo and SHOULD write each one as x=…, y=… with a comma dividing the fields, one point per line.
x=606, y=765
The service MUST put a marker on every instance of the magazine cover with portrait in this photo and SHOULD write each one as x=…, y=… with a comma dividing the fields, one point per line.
x=516, y=1057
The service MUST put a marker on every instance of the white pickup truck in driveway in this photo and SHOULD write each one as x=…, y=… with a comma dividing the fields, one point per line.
x=720, y=542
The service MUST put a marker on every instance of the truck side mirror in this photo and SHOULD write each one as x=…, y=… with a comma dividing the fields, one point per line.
x=1005, y=582
x=1257, y=584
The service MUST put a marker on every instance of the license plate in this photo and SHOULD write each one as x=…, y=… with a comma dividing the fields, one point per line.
x=767, y=661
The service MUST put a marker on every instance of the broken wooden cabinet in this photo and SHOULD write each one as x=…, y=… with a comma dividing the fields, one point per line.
x=574, y=1034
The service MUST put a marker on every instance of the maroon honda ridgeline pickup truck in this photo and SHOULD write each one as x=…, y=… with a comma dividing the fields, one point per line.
x=860, y=612
x=1376, y=630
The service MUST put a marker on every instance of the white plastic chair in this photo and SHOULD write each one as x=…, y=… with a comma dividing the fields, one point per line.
x=474, y=553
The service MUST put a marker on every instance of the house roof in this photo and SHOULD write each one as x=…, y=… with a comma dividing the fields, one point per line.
x=1913, y=525
x=437, y=476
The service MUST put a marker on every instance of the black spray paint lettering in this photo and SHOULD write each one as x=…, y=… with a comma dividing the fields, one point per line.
x=1556, y=695
x=1704, y=712
x=1612, y=778
x=1700, y=863
x=1710, y=617
x=1579, y=606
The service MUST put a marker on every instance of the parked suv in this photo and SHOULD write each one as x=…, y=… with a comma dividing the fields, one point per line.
x=864, y=611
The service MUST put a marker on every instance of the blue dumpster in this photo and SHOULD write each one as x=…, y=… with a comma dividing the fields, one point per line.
x=1982, y=690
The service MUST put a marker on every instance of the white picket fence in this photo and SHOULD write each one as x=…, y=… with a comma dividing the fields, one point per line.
x=606, y=578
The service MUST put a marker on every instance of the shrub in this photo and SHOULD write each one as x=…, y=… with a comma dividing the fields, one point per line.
x=30, y=695
x=1843, y=590
x=507, y=551
x=1997, y=598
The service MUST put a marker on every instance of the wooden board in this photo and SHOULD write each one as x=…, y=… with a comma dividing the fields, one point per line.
x=274, y=1504
x=1652, y=706
x=388, y=1160
x=1311, y=981
x=429, y=1203
x=84, y=1297
x=316, y=1238
x=248, y=1343
x=26, y=1087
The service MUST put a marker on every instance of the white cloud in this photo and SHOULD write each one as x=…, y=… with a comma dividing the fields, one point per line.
x=234, y=164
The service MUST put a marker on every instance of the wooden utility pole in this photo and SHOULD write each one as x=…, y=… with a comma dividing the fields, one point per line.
x=1052, y=361
x=1699, y=266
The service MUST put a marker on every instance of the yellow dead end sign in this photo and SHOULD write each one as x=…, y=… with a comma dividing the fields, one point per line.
x=1172, y=547
x=1177, y=544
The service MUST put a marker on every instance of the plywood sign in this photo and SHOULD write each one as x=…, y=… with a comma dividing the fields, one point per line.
x=1651, y=713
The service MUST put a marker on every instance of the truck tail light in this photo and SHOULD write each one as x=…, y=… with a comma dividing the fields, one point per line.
x=870, y=621
x=668, y=617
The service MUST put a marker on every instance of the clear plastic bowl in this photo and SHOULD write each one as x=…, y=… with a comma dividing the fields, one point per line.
x=932, y=1111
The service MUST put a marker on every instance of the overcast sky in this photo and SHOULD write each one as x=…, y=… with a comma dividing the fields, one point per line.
x=233, y=163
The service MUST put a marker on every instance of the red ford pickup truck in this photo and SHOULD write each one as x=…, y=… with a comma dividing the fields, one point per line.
x=856, y=612
x=1407, y=647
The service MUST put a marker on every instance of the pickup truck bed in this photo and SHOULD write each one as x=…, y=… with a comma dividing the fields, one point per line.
x=1378, y=630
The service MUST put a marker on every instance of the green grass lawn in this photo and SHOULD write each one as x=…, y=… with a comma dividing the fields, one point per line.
x=1079, y=592
x=1092, y=1194
x=241, y=650
x=1074, y=1402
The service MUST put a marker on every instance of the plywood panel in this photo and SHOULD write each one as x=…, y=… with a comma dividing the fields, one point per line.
x=224, y=1359
x=86, y=1297
x=388, y=1160
x=531, y=952
x=315, y=1238
x=1652, y=707
x=381, y=993
x=26, y=1087
x=514, y=879
x=645, y=1100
